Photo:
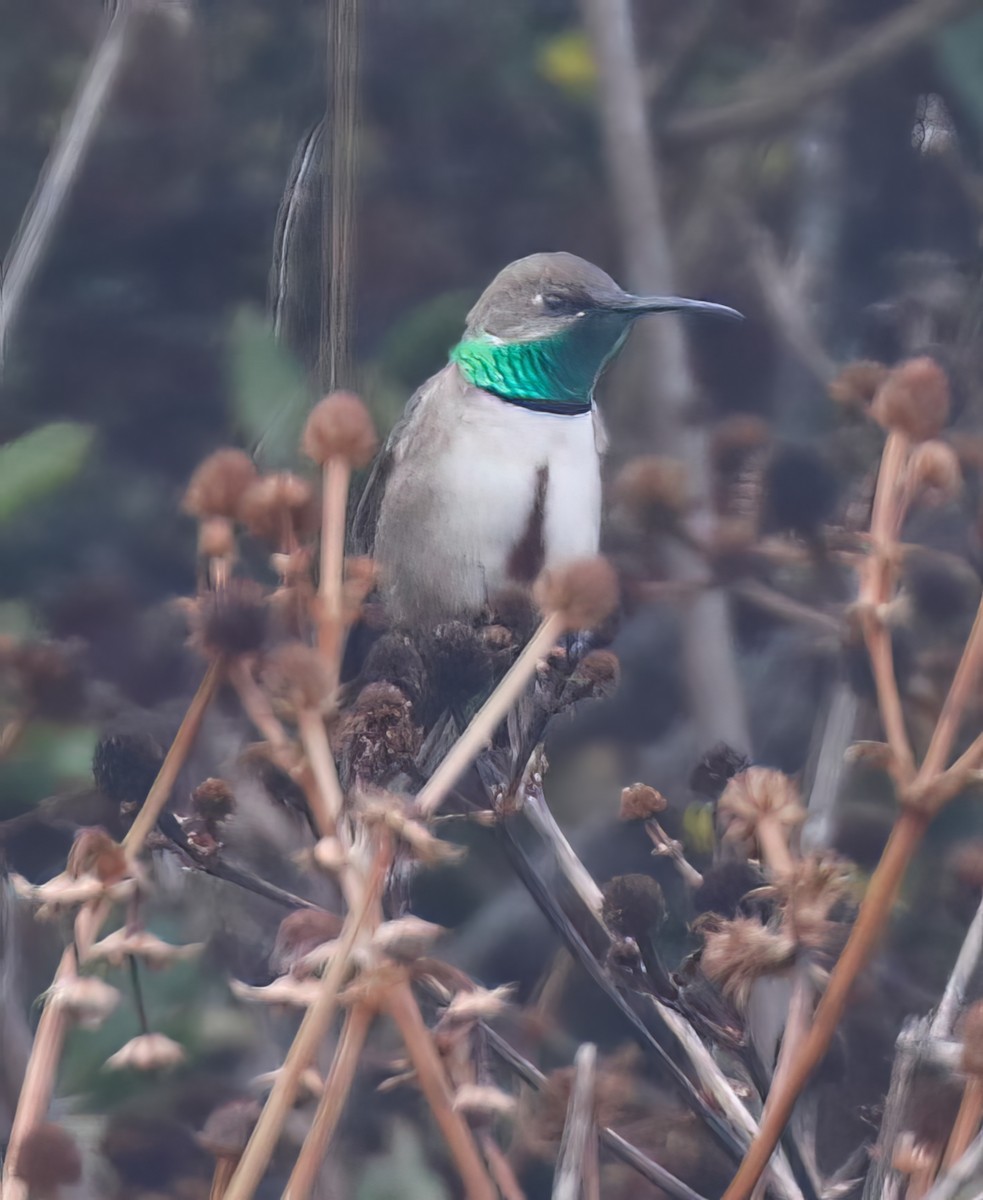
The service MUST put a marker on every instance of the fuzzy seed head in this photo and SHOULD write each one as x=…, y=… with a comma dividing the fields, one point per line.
x=298, y=677
x=216, y=538
x=972, y=1034
x=47, y=1160
x=116, y=947
x=639, y=802
x=340, y=427
x=857, y=384
x=809, y=896
x=219, y=483
x=230, y=621
x=213, y=800
x=379, y=737
x=633, y=905
x=654, y=491
x=583, y=593
x=147, y=1052
x=914, y=400
x=480, y=1004
x=934, y=468
x=715, y=769
x=406, y=938
x=278, y=505
x=483, y=1100
x=756, y=794
x=738, y=952
x=595, y=677
x=86, y=999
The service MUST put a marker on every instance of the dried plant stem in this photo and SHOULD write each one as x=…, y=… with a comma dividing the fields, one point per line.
x=965, y=1171
x=163, y=785
x=569, y=1178
x=326, y=796
x=773, y=843
x=960, y=692
x=874, y=912
x=405, y=1012
x=336, y=1089
x=337, y=476
x=224, y=1169
x=258, y=709
x=484, y=723
x=967, y=1123
x=500, y=1168
x=668, y=847
x=310, y=1035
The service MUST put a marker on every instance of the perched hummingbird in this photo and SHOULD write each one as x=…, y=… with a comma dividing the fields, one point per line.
x=493, y=471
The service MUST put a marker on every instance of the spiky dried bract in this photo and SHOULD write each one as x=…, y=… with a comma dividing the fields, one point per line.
x=86, y=999
x=406, y=938
x=299, y=933
x=581, y=593
x=934, y=468
x=808, y=896
x=214, y=800
x=231, y=620
x=972, y=1035
x=654, y=490
x=756, y=794
x=277, y=506
x=639, y=802
x=48, y=1159
x=914, y=400
x=340, y=426
x=738, y=952
x=715, y=769
x=298, y=677
x=633, y=905
x=115, y=948
x=229, y=1128
x=479, y=1004
x=95, y=853
x=125, y=765
x=483, y=1100
x=596, y=677
x=379, y=737
x=147, y=1052
x=856, y=385
x=218, y=483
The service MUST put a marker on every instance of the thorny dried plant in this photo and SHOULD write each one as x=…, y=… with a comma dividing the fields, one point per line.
x=380, y=764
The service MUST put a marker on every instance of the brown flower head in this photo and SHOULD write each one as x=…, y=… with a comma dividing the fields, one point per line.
x=972, y=1035
x=857, y=383
x=278, y=506
x=654, y=490
x=231, y=620
x=639, y=802
x=47, y=1160
x=914, y=399
x=934, y=469
x=582, y=593
x=340, y=427
x=738, y=952
x=595, y=677
x=298, y=678
x=379, y=737
x=216, y=538
x=219, y=483
x=757, y=793
x=809, y=896
x=633, y=906
x=213, y=800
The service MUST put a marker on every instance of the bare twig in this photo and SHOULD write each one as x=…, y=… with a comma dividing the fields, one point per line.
x=575, y=1143
x=964, y=1172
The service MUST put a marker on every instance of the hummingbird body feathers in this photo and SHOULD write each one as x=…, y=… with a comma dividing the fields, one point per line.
x=493, y=472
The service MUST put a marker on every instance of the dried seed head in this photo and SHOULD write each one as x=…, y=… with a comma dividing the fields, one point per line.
x=216, y=538
x=47, y=1160
x=406, y=938
x=755, y=794
x=378, y=737
x=95, y=853
x=277, y=506
x=147, y=1052
x=395, y=659
x=299, y=933
x=654, y=489
x=229, y=1128
x=809, y=896
x=214, y=801
x=51, y=678
x=640, y=802
x=298, y=678
x=218, y=484
x=125, y=765
x=857, y=383
x=231, y=620
x=972, y=1035
x=913, y=399
x=457, y=661
x=725, y=885
x=595, y=677
x=712, y=773
x=480, y=1004
x=934, y=468
x=86, y=999
x=582, y=593
x=286, y=991
x=482, y=1100
x=633, y=906
x=340, y=427
x=116, y=947
x=738, y=952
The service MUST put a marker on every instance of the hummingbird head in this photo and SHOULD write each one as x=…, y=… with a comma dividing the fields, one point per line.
x=543, y=330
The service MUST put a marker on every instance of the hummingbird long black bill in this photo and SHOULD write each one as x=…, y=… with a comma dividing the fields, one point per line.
x=639, y=305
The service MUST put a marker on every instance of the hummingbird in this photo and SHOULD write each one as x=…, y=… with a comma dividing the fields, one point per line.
x=494, y=469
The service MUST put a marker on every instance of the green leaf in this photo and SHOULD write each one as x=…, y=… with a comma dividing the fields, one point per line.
x=39, y=462
x=271, y=395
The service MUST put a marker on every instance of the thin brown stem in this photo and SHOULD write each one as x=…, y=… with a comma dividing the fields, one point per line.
x=961, y=690
x=224, y=1169
x=871, y=919
x=500, y=1168
x=671, y=848
x=967, y=1123
x=330, y=633
x=487, y=719
x=405, y=1012
x=310, y=1035
x=258, y=709
x=326, y=796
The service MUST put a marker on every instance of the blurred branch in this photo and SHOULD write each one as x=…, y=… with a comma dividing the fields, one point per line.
x=663, y=79
x=716, y=700
x=568, y=1183
x=878, y=44
x=61, y=171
